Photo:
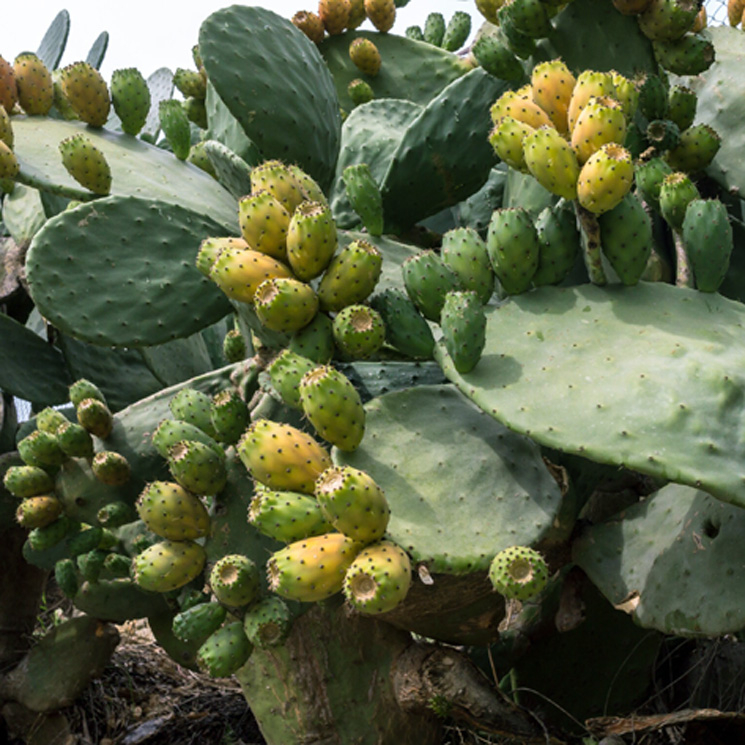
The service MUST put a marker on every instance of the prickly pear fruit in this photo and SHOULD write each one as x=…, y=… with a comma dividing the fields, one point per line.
x=264, y=221
x=434, y=29
x=171, y=431
x=357, y=14
x=333, y=406
x=280, y=181
x=695, y=150
x=285, y=372
x=315, y=341
x=234, y=347
x=489, y=8
x=589, y=84
x=365, y=56
x=492, y=52
x=225, y=651
x=8, y=86
x=508, y=140
x=198, y=622
x=9, y=166
x=172, y=512
x=197, y=467
x=601, y=121
x=118, y=565
x=512, y=243
x=85, y=540
x=312, y=569
x=87, y=93
x=708, y=242
x=50, y=420
x=86, y=163
x=351, y=276
x=35, y=88
x=520, y=107
x=626, y=93
x=463, y=325
x=690, y=55
x=649, y=177
x=41, y=449
x=175, y=126
x=529, y=17
x=168, y=565
x=111, y=468
x=518, y=573
x=682, y=102
x=229, y=416
x=605, y=178
x=378, y=579
x=310, y=24
x=193, y=406
x=268, y=622
x=91, y=565
x=457, y=31
x=311, y=240
x=38, y=511
x=234, y=580
x=662, y=135
x=364, y=195
x=66, y=576
x=552, y=84
x=559, y=241
x=677, y=191
x=284, y=304
x=27, y=481
x=6, y=128
x=427, y=280
x=667, y=20
x=735, y=9
x=464, y=251
x=40, y=539
x=190, y=83
x=239, y=272
x=115, y=514
x=360, y=91
x=626, y=238
x=405, y=328
x=552, y=162
x=334, y=15
x=82, y=389
x=287, y=516
x=130, y=96
x=282, y=457
x=382, y=14
x=359, y=331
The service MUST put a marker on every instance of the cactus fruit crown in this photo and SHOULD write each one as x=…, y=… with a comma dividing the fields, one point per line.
x=518, y=573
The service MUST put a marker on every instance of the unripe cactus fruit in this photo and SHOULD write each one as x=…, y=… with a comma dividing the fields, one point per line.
x=708, y=242
x=82, y=389
x=50, y=420
x=434, y=29
x=690, y=55
x=378, y=579
x=359, y=331
x=234, y=580
x=190, y=83
x=492, y=52
x=171, y=431
x=87, y=92
x=508, y=138
x=311, y=240
x=668, y=20
x=696, y=148
x=234, y=347
x=626, y=93
x=365, y=56
x=284, y=304
x=111, y=468
x=682, y=102
x=676, y=193
x=464, y=251
x=333, y=406
x=229, y=415
x=315, y=341
x=197, y=467
x=512, y=243
x=115, y=514
x=463, y=324
x=282, y=457
x=427, y=280
x=41, y=539
x=8, y=86
x=168, y=565
x=195, y=624
x=312, y=569
x=9, y=165
x=35, y=88
x=648, y=177
x=41, y=449
x=267, y=622
x=334, y=15
x=518, y=573
x=357, y=14
x=27, y=481
x=360, y=91
x=364, y=195
x=552, y=162
x=287, y=516
x=310, y=24
x=264, y=220
x=172, y=512
x=351, y=276
x=66, y=576
x=529, y=17
x=130, y=96
x=559, y=241
x=225, y=651
x=605, y=178
x=285, y=373
x=405, y=327
x=193, y=406
x=382, y=14
x=86, y=163
x=38, y=511
x=175, y=126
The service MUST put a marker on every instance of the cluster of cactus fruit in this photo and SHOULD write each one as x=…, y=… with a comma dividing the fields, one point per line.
x=496, y=260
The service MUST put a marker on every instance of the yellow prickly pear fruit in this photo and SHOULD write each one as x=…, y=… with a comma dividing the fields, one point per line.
x=489, y=8
x=264, y=222
x=507, y=139
x=168, y=565
x=605, y=178
x=382, y=13
x=87, y=92
x=310, y=24
x=552, y=84
x=735, y=10
x=35, y=85
x=365, y=55
x=86, y=163
x=334, y=15
x=511, y=103
x=279, y=180
x=601, y=121
x=8, y=86
x=239, y=272
x=356, y=14
x=6, y=130
x=209, y=250
x=627, y=94
x=589, y=83
x=8, y=162
x=552, y=162
x=311, y=240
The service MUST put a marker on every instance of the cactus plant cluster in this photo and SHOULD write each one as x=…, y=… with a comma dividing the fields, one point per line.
x=336, y=355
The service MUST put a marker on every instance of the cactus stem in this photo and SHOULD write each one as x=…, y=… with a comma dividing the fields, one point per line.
x=590, y=232
x=683, y=273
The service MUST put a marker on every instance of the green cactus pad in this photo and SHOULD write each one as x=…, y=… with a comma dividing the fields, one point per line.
x=299, y=118
x=647, y=377
x=116, y=250
x=481, y=488
x=52, y=46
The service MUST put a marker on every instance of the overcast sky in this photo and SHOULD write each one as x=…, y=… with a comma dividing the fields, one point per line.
x=154, y=34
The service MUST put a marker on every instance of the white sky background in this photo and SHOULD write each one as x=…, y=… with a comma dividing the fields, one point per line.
x=149, y=35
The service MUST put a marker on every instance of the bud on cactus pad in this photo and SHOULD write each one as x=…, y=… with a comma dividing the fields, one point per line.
x=359, y=331
x=464, y=251
x=365, y=56
x=378, y=579
x=234, y=580
x=87, y=92
x=197, y=467
x=457, y=31
x=518, y=573
x=168, y=565
x=84, y=540
x=427, y=280
x=86, y=163
x=35, y=88
x=284, y=304
x=111, y=468
x=695, y=149
x=267, y=622
x=682, y=102
x=130, y=95
x=495, y=56
x=649, y=177
x=463, y=324
x=175, y=126
x=364, y=195
x=285, y=373
x=315, y=341
x=287, y=516
x=66, y=576
x=225, y=651
x=172, y=512
x=310, y=24
x=559, y=241
x=198, y=622
x=39, y=511
x=27, y=481
x=234, y=346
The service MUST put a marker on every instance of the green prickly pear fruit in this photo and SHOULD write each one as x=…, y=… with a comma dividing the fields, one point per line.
x=427, y=280
x=681, y=109
x=264, y=221
x=353, y=503
x=552, y=162
x=312, y=569
x=589, y=84
x=378, y=579
x=434, y=29
x=662, y=134
x=234, y=347
x=365, y=56
x=40, y=539
x=601, y=121
x=287, y=516
x=649, y=177
x=84, y=540
x=284, y=304
x=9, y=166
x=41, y=449
x=281, y=182
x=315, y=341
x=529, y=17
x=66, y=576
x=360, y=91
x=91, y=564
x=690, y=55
x=334, y=407
x=457, y=31
x=364, y=195
x=708, y=242
x=489, y=8
x=559, y=241
x=175, y=126
x=382, y=14
x=61, y=103
x=282, y=457
x=605, y=178
x=198, y=156
x=518, y=573
x=115, y=514
x=38, y=511
x=310, y=24
x=653, y=97
x=171, y=431
x=50, y=420
x=512, y=243
x=198, y=622
x=311, y=240
x=229, y=416
x=492, y=52
x=676, y=193
x=196, y=112
x=8, y=86
x=667, y=20
x=463, y=324
x=27, y=481
x=351, y=276
x=197, y=467
x=209, y=250
x=508, y=140
x=225, y=651
x=111, y=468
x=239, y=272
x=285, y=373
x=626, y=238
x=87, y=93
x=172, y=512
x=191, y=83
x=414, y=33
x=34, y=85
x=405, y=328
x=234, y=580
x=268, y=622
x=118, y=565
x=695, y=150
x=86, y=163
x=130, y=96
x=552, y=84
x=520, y=107
x=359, y=331
x=334, y=15
x=464, y=251
x=168, y=565
x=82, y=389
x=193, y=406
x=626, y=93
